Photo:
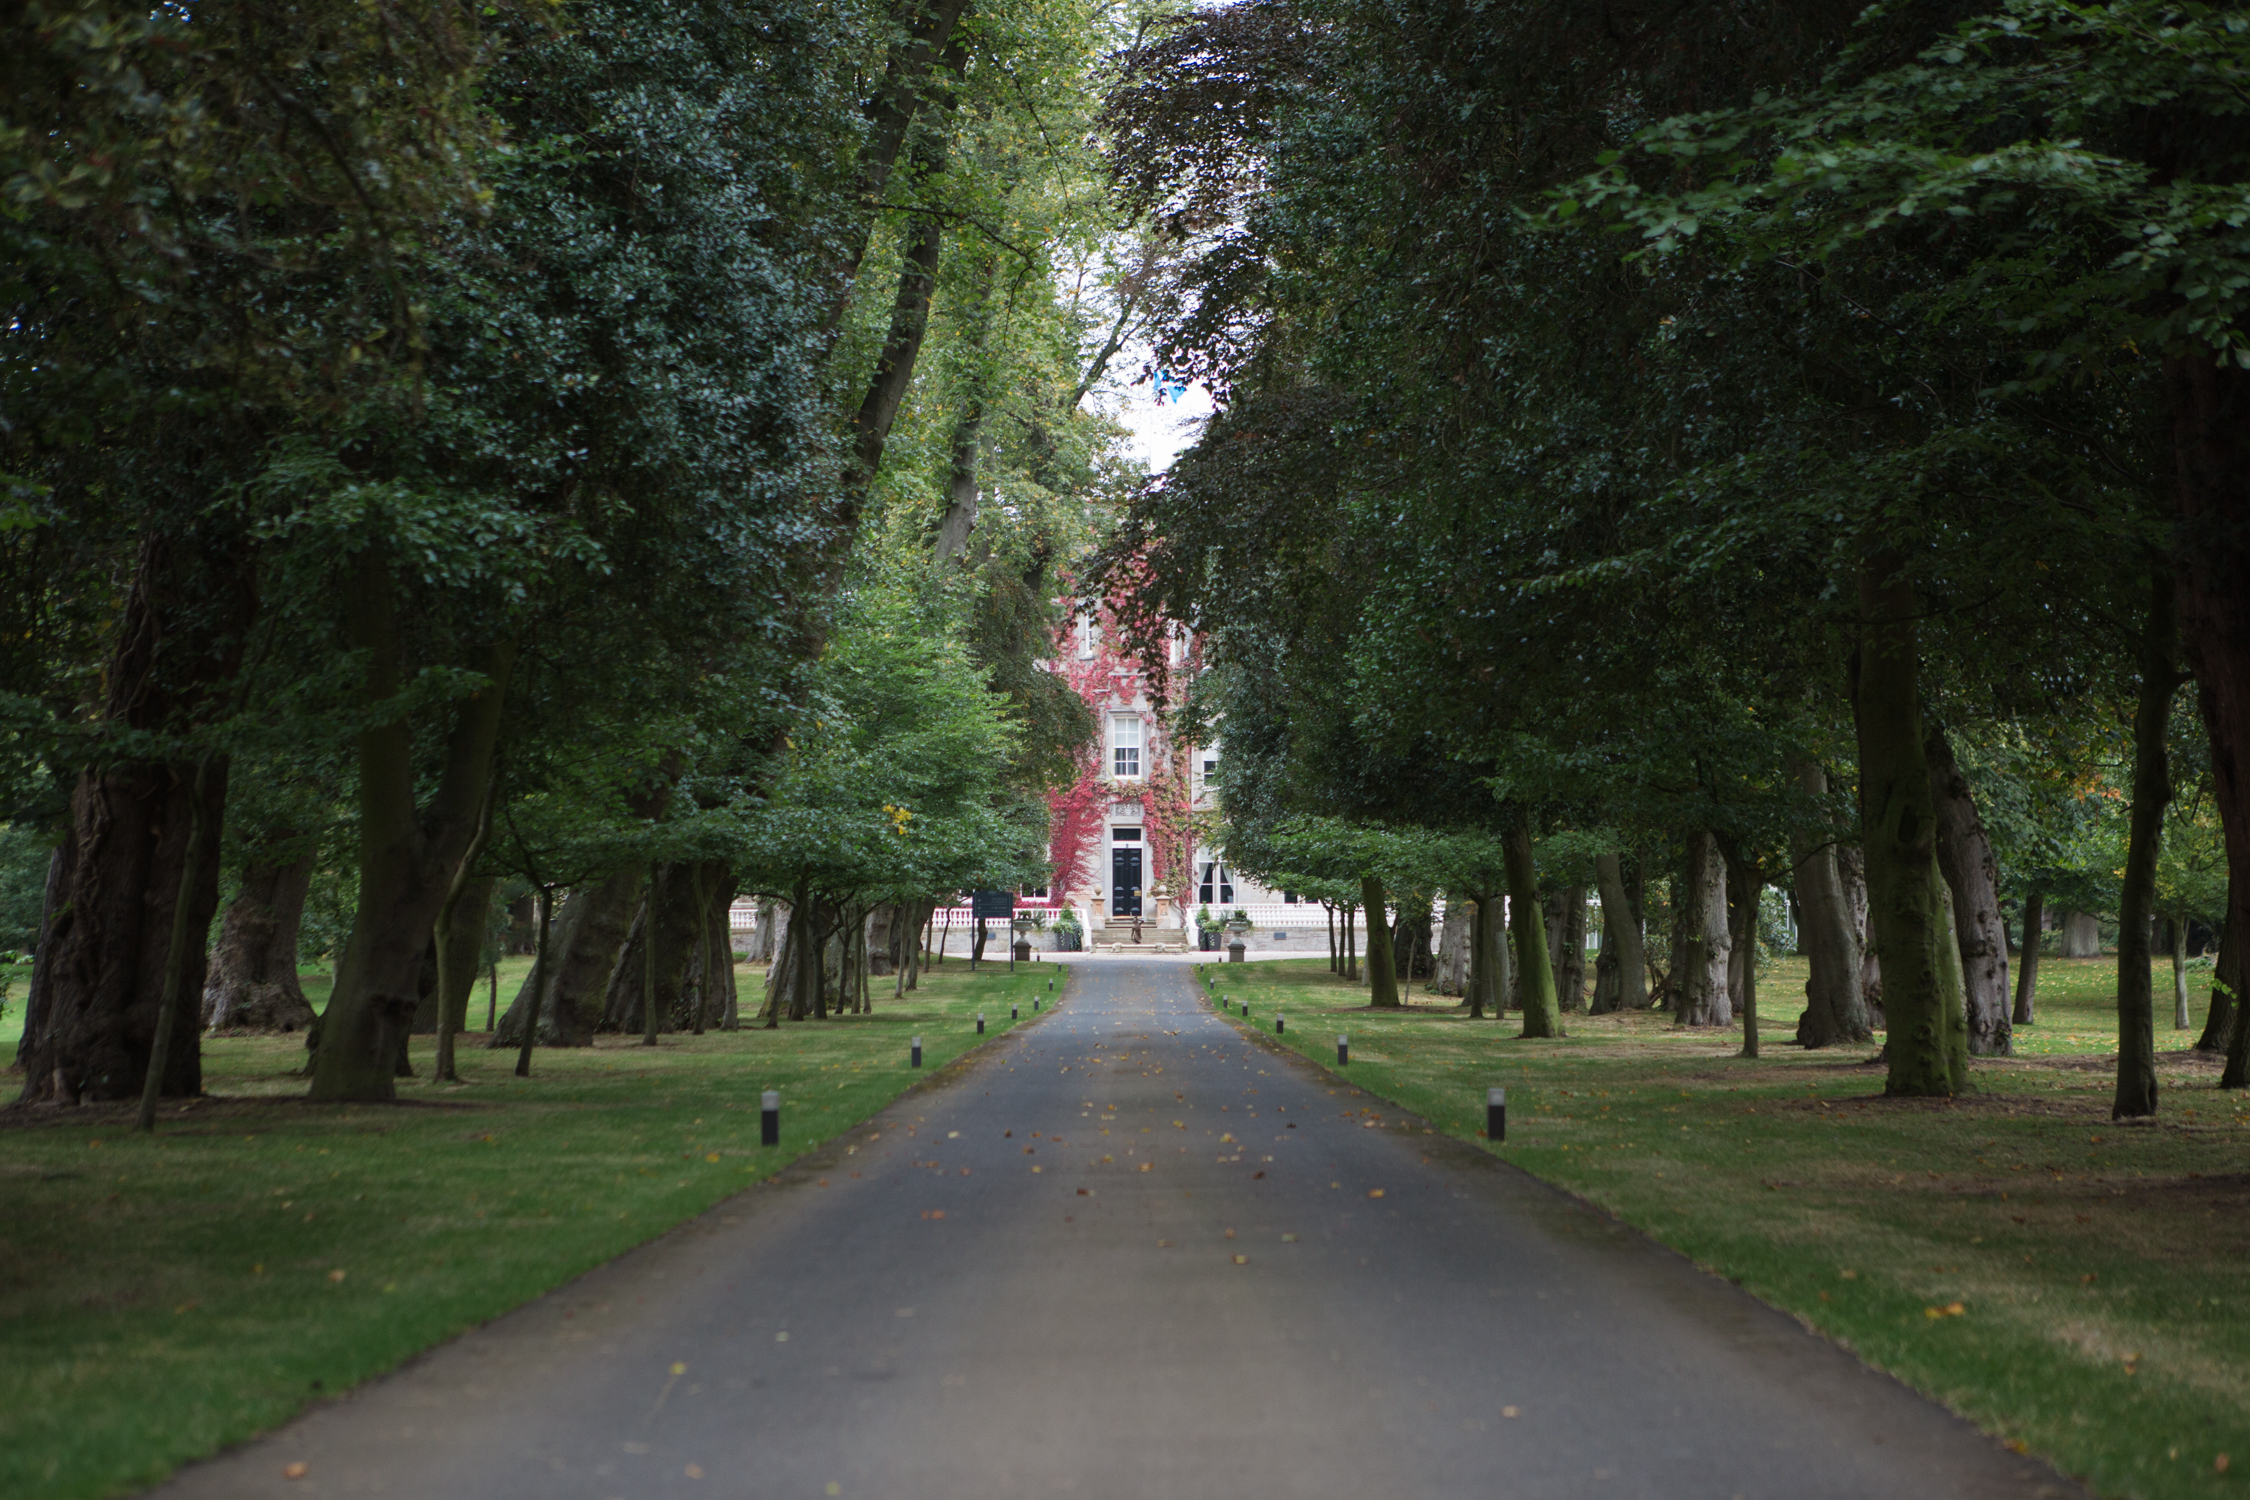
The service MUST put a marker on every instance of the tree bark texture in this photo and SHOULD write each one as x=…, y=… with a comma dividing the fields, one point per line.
x=253, y=984
x=2027, y=960
x=1964, y=852
x=1535, y=980
x=1851, y=868
x=107, y=928
x=205, y=806
x=1566, y=936
x=1745, y=889
x=1621, y=929
x=408, y=850
x=1450, y=974
x=42, y=958
x=460, y=954
x=2081, y=935
x=578, y=993
x=2180, y=1022
x=1704, y=943
x=1898, y=838
x=1382, y=978
x=2136, y=901
x=1487, y=986
x=2209, y=403
x=1835, y=1009
x=2226, y=993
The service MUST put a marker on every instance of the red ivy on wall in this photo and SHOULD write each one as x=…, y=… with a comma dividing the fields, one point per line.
x=1078, y=816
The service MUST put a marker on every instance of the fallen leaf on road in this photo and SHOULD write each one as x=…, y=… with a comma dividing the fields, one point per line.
x=1289, y=1239
x=1085, y=1192
x=933, y=1213
x=1374, y=1192
x=1254, y=1176
x=1509, y=1411
x=695, y=1471
x=1242, y=1260
x=1146, y=1166
x=298, y=1471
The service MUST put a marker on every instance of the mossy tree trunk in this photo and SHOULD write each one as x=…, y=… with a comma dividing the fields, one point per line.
x=1535, y=981
x=1835, y=1010
x=1621, y=936
x=1898, y=822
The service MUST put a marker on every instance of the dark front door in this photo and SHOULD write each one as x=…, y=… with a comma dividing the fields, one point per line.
x=1124, y=882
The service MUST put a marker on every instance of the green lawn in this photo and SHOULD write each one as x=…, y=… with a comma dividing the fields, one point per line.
x=2075, y=1286
x=166, y=1297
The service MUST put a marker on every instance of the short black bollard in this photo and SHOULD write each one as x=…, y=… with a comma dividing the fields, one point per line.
x=917, y=1052
x=1012, y=1013
x=980, y=1023
x=1035, y=1005
x=769, y=1118
x=1050, y=986
x=1246, y=1008
x=1280, y=1025
x=1496, y=1114
x=1343, y=1049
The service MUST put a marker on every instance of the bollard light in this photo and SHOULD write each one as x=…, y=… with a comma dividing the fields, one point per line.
x=917, y=1052
x=1496, y=1114
x=769, y=1118
x=1035, y=1005
x=980, y=1023
x=1280, y=1025
x=1011, y=1013
x=1245, y=1008
x=1343, y=1049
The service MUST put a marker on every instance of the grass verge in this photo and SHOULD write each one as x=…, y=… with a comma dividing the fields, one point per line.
x=2073, y=1285
x=167, y=1297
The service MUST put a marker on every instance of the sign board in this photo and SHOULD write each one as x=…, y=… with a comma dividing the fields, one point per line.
x=993, y=903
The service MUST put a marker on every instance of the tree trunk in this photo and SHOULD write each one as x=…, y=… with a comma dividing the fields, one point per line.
x=460, y=953
x=204, y=810
x=1382, y=978
x=43, y=952
x=2152, y=793
x=542, y=955
x=1621, y=924
x=2180, y=1021
x=1535, y=981
x=590, y=986
x=1851, y=868
x=115, y=899
x=882, y=919
x=2081, y=935
x=253, y=984
x=407, y=852
x=1898, y=823
x=1450, y=975
x=1835, y=1009
x=1566, y=926
x=1705, y=942
x=1746, y=885
x=1964, y=853
x=2027, y=961
x=2226, y=989
x=1351, y=943
x=2209, y=403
